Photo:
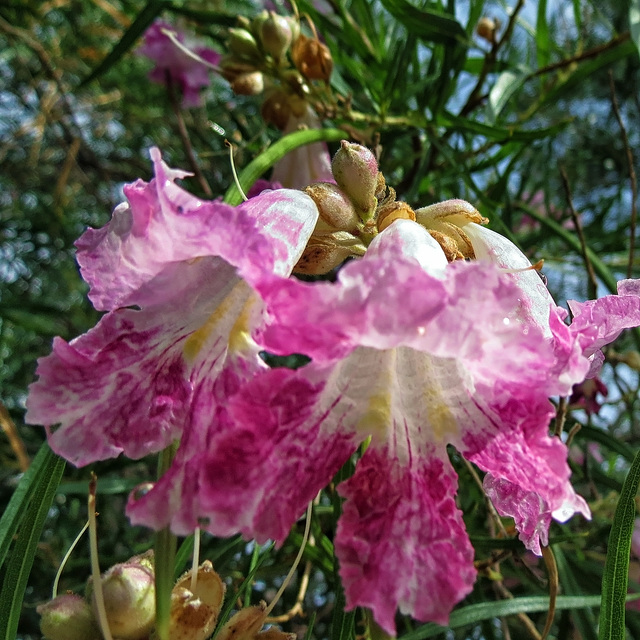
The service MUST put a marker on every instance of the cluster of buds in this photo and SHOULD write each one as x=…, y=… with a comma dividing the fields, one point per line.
x=129, y=602
x=360, y=205
x=269, y=55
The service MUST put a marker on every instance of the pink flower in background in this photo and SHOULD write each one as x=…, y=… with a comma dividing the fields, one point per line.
x=183, y=70
x=168, y=268
x=307, y=164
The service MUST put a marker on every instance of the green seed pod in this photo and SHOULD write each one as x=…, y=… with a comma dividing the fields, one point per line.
x=68, y=617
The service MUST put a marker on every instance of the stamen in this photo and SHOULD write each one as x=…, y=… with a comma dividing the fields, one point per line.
x=174, y=40
x=233, y=170
x=64, y=560
x=196, y=560
x=534, y=267
x=295, y=564
x=103, y=623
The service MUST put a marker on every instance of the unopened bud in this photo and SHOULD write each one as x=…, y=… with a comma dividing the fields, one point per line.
x=243, y=44
x=68, y=617
x=336, y=210
x=392, y=211
x=486, y=28
x=312, y=58
x=325, y=252
x=356, y=171
x=276, y=35
x=129, y=600
x=248, y=84
x=231, y=67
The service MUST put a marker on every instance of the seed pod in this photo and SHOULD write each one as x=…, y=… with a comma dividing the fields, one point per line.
x=248, y=84
x=276, y=35
x=243, y=44
x=312, y=58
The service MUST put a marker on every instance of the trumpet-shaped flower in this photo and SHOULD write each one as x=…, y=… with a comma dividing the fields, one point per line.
x=171, y=271
x=409, y=354
x=175, y=65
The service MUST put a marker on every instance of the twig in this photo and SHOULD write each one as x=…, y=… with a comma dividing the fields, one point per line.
x=592, y=284
x=561, y=415
x=524, y=618
x=572, y=433
x=475, y=98
x=184, y=136
x=552, y=571
x=297, y=607
x=632, y=175
x=17, y=446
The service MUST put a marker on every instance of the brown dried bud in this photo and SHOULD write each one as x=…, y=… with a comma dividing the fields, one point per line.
x=68, y=617
x=194, y=614
x=248, y=84
x=324, y=252
x=356, y=171
x=336, y=210
x=231, y=68
x=312, y=58
x=486, y=29
x=245, y=624
x=448, y=245
x=392, y=211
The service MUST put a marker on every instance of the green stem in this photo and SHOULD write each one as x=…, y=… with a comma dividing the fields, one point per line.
x=164, y=552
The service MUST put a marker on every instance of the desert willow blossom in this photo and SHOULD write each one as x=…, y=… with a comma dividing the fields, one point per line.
x=438, y=333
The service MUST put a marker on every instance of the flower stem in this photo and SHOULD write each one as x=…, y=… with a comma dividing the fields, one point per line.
x=164, y=552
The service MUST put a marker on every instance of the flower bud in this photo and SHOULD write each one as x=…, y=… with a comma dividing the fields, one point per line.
x=243, y=44
x=486, y=29
x=325, y=251
x=68, y=617
x=336, y=210
x=356, y=171
x=129, y=600
x=231, y=67
x=312, y=58
x=248, y=84
x=276, y=35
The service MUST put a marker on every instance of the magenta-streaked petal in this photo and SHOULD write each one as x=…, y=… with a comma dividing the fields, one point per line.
x=126, y=385
x=527, y=471
x=307, y=164
x=401, y=541
x=536, y=300
x=597, y=323
x=259, y=445
x=163, y=224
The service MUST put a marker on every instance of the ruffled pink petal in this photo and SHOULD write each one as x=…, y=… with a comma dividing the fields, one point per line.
x=162, y=224
x=528, y=474
x=307, y=164
x=126, y=385
x=401, y=541
x=259, y=445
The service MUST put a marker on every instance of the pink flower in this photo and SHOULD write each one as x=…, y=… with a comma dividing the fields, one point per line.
x=408, y=354
x=183, y=70
x=171, y=272
x=307, y=164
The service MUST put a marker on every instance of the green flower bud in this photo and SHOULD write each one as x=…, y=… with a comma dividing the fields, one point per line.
x=276, y=35
x=242, y=43
x=336, y=210
x=68, y=617
x=129, y=600
x=356, y=171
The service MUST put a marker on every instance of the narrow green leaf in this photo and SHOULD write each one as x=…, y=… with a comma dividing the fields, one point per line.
x=616, y=567
x=475, y=613
x=542, y=35
x=603, y=437
x=137, y=28
x=276, y=152
x=507, y=83
x=24, y=549
x=15, y=511
x=432, y=26
x=634, y=22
